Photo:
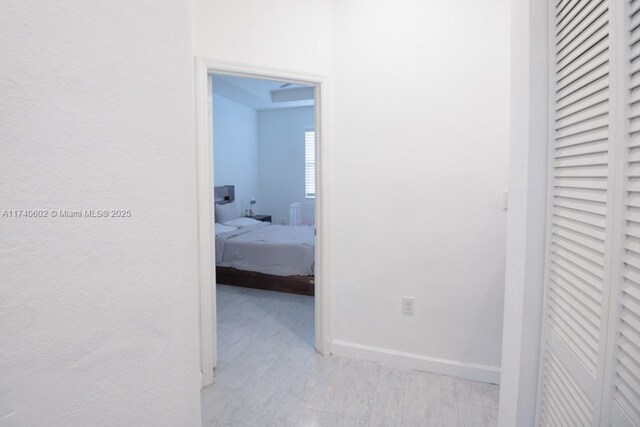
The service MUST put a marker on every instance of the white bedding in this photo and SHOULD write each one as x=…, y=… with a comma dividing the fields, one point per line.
x=221, y=229
x=281, y=250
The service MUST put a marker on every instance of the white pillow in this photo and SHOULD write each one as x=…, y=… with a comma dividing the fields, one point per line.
x=221, y=228
x=242, y=222
x=226, y=212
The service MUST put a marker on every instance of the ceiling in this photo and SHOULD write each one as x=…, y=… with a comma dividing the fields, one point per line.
x=263, y=94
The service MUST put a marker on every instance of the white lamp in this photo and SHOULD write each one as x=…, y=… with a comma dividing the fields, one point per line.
x=252, y=202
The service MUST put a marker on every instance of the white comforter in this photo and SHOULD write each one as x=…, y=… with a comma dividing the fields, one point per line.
x=281, y=250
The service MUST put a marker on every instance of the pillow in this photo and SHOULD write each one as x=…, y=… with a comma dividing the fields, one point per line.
x=226, y=212
x=221, y=228
x=242, y=222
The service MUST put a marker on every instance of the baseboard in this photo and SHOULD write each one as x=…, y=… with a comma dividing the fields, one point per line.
x=454, y=368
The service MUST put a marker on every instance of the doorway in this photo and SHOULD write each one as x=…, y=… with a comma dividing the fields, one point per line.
x=205, y=142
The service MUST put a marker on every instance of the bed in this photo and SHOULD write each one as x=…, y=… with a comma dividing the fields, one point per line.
x=262, y=255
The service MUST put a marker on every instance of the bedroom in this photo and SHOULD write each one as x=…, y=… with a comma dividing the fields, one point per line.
x=264, y=199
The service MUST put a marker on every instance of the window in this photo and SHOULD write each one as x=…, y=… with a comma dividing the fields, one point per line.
x=310, y=164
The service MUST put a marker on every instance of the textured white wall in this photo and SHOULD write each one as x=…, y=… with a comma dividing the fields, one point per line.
x=235, y=130
x=418, y=124
x=98, y=317
x=281, y=159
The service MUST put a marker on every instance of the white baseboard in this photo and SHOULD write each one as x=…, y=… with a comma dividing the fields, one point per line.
x=454, y=368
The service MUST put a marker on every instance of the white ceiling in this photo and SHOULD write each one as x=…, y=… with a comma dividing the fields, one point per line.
x=257, y=93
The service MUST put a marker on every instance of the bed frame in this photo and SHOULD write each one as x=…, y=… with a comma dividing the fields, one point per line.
x=301, y=285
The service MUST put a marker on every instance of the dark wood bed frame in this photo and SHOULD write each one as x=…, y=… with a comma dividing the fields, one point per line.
x=301, y=285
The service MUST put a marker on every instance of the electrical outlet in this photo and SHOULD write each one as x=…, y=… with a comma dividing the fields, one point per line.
x=407, y=305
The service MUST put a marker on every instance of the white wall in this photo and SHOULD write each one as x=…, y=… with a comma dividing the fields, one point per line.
x=527, y=213
x=418, y=167
x=235, y=132
x=417, y=163
x=289, y=34
x=99, y=317
x=281, y=157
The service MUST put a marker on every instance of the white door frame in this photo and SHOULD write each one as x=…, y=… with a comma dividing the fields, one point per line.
x=204, y=180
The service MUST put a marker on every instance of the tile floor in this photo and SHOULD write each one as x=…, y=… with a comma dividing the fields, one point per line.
x=269, y=375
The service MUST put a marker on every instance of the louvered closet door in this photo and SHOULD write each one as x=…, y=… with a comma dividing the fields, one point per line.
x=571, y=363
x=623, y=385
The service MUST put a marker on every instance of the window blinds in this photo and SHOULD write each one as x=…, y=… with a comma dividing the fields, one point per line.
x=310, y=164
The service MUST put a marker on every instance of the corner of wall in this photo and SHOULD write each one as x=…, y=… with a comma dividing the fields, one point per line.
x=526, y=232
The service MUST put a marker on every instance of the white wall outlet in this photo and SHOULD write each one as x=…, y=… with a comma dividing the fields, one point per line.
x=407, y=305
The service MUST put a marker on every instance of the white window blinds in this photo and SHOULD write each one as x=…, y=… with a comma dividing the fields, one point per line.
x=310, y=164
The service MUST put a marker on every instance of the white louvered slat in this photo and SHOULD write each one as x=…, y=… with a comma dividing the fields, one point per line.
x=588, y=14
x=633, y=155
x=634, y=109
x=590, y=353
x=578, y=295
x=583, y=280
x=598, y=107
x=581, y=238
x=620, y=404
x=582, y=70
x=578, y=249
x=579, y=212
x=594, y=37
x=592, y=183
x=633, y=230
x=566, y=13
x=591, y=90
x=597, y=98
x=565, y=130
x=583, y=283
x=580, y=216
x=625, y=404
x=581, y=155
x=588, y=327
x=634, y=96
x=635, y=83
x=580, y=194
x=582, y=171
x=562, y=399
x=592, y=33
x=634, y=51
x=635, y=63
x=633, y=218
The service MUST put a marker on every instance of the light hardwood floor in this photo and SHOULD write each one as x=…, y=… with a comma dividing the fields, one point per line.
x=269, y=375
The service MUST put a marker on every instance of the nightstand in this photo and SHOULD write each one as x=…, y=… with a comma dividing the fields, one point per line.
x=264, y=218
